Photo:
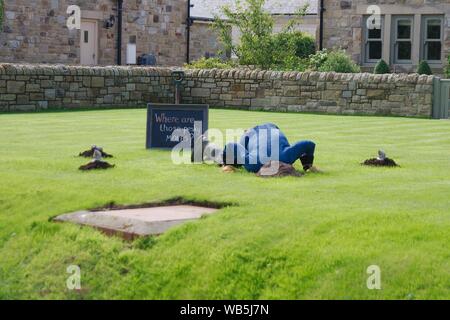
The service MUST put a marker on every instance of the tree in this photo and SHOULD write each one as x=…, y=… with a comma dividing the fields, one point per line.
x=258, y=44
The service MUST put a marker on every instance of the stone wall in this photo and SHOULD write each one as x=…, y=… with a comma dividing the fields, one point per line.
x=37, y=87
x=40, y=87
x=362, y=93
x=343, y=27
x=36, y=32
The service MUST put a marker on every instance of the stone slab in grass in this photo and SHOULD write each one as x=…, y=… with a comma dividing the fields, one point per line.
x=132, y=223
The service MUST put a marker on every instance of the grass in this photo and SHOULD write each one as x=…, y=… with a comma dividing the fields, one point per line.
x=292, y=238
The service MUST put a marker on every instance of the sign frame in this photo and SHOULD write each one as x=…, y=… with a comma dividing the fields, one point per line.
x=152, y=107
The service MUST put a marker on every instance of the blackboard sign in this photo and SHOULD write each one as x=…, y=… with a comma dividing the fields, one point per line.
x=164, y=119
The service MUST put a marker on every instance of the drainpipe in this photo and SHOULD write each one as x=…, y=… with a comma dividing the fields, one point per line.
x=119, y=31
x=321, y=12
x=188, y=31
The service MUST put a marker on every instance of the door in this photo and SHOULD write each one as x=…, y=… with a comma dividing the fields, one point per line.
x=441, y=100
x=89, y=41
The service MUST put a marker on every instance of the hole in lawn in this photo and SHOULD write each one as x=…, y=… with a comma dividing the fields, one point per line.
x=140, y=220
x=170, y=202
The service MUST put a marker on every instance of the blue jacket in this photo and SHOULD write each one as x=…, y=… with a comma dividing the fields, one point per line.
x=256, y=147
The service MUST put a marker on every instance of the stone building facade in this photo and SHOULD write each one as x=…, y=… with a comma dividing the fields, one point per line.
x=205, y=42
x=411, y=31
x=35, y=31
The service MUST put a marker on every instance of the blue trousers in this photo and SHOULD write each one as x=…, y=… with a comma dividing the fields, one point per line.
x=263, y=143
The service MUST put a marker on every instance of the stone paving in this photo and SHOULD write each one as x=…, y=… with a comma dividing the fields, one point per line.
x=131, y=223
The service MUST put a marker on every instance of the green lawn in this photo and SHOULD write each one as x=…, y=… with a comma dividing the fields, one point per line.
x=292, y=238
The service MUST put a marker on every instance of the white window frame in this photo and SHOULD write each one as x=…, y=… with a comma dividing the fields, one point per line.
x=424, y=40
x=395, y=41
x=365, y=48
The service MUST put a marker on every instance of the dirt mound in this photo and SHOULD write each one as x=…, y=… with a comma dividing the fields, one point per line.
x=380, y=163
x=90, y=154
x=277, y=169
x=96, y=165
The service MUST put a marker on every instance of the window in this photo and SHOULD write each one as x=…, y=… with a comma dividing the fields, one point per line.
x=373, y=43
x=403, y=39
x=86, y=36
x=432, y=31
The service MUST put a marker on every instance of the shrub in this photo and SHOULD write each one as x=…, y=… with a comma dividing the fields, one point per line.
x=318, y=59
x=337, y=61
x=292, y=63
x=298, y=44
x=292, y=51
x=424, y=68
x=381, y=67
x=210, y=63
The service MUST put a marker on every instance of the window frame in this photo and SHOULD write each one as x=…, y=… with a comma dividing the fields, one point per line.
x=424, y=39
x=367, y=40
x=395, y=40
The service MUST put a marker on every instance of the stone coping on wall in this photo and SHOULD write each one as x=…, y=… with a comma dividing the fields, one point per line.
x=246, y=74
x=74, y=70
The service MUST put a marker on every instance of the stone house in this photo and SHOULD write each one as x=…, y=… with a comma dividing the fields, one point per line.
x=35, y=31
x=410, y=31
x=205, y=42
x=119, y=31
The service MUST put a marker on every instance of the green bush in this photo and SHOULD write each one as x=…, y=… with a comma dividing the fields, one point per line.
x=424, y=68
x=291, y=51
x=298, y=43
x=381, y=67
x=318, y=59
x=337, y=61
x=210, y=63
x=292, y=63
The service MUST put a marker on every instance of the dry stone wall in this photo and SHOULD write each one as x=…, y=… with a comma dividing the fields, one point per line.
x=362, y=93
x=39, y=87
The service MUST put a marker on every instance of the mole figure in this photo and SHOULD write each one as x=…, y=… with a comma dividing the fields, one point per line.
x=97, y=160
